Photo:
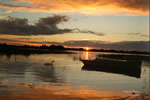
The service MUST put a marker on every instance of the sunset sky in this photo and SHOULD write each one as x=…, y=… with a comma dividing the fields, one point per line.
x=108, y=24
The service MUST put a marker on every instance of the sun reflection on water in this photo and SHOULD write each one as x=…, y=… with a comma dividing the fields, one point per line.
x=86, y=55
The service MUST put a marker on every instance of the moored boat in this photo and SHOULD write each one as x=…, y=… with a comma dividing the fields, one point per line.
x=125, y=67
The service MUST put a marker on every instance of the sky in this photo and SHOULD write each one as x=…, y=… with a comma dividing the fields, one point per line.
x=97, y=24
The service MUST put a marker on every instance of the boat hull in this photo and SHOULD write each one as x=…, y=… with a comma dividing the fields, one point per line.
x=129, y=68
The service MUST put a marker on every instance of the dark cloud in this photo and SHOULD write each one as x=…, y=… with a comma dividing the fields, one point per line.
x=5, y=40
x=134, y=33
x=142, y=5
x=24, y=38
x=44, y=26
x=138, y=34
x=77, y=30
x=130, y=45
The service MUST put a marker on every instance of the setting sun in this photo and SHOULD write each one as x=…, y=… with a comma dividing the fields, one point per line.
x=87, y=49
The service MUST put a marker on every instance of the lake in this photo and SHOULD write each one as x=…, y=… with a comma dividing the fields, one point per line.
x=29, y=77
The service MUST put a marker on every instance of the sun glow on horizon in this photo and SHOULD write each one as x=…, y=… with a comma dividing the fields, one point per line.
x=87, y=49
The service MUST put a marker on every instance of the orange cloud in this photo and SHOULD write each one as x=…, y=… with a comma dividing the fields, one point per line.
x=22, y=8
x=96, y=7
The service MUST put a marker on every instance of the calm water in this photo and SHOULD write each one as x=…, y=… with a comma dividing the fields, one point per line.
x=17, y=70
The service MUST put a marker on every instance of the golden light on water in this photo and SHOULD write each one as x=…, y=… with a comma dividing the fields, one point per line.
x=66, y=93
x=87, y=55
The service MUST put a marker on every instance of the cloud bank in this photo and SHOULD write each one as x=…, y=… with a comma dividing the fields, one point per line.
x=100, y=7
x=122, y=45
x=44, y=26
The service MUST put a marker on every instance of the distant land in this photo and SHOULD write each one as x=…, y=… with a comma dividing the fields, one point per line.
x=44, y=49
